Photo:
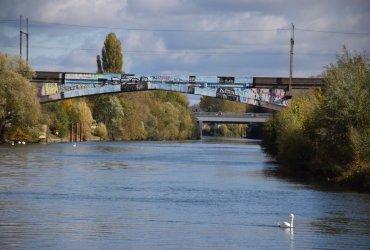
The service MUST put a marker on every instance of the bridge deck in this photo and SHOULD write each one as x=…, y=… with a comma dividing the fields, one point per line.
x=236, y=118
x=268, y=92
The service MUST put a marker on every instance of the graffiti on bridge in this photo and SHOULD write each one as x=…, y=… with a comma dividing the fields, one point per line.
x=238, y=89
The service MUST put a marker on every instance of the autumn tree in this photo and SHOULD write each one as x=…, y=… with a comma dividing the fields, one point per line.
x=211, y=104
x=19, y=106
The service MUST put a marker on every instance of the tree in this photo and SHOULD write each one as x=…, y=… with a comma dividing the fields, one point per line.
x=341, y=128
x=211, y=104
x=57, y=117
x=85, y=117
x=108, y=110
x=99, y=63
x=19, y=106
x=111, y=60
x=327, y=135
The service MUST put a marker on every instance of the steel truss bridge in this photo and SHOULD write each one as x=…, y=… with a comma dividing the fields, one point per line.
x=268, y=92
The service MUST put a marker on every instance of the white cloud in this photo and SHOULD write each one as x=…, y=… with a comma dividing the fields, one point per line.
x=249, y=53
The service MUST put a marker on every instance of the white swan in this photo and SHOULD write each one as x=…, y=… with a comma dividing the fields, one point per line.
x=285, y=224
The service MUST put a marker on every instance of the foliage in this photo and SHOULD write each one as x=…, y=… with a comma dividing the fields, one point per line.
x=101, y=131
x=341, y=125
x=327, y=136
x=85, y=118
x=156, y=115
x=58, y=119
x=112, y=59
x=19, y=108
x=211, y=104
x=108, y=110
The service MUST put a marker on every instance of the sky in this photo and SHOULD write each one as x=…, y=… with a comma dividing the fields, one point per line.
x=188, y=37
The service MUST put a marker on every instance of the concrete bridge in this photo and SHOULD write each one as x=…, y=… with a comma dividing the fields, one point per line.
x=268, y=92
x=231, y=118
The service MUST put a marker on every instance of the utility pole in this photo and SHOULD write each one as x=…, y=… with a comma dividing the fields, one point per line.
x=21, y=33
x=291, y=62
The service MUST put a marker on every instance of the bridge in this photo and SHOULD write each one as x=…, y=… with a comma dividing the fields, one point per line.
x=231, y=118
x=268, y=92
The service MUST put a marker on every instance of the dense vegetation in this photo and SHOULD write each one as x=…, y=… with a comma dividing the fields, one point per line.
x=326, y=135
x=131, y=116
x=19, y=107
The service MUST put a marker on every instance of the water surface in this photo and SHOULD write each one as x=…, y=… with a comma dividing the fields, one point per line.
x=167, y=195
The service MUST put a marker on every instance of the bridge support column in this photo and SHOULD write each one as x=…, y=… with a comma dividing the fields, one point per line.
x=200, y=127
x=243, y=132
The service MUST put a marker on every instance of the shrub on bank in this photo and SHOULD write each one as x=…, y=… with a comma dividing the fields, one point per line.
x=327, y=135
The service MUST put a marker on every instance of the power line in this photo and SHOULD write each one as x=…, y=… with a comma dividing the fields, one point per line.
x=147, y=29
x=157, y=30
x=335, y=32
x=35, y=22
x=185, y=52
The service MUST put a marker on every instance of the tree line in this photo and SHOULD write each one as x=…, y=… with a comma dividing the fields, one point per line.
x=325, y=135
x=151, y=115
x=128, y=116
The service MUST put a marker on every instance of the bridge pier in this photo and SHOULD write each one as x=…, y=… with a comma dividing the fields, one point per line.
x=200, y=127
x=244, y=132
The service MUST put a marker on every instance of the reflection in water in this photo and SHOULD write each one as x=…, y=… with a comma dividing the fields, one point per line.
x=159, y=195
x=289, y=232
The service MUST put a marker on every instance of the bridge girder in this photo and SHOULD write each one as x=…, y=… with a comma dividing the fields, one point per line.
x=54, y=86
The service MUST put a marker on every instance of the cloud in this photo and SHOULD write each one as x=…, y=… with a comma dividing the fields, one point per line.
x=244, y=37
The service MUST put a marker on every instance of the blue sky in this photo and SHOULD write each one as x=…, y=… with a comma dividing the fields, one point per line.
x=201, y=37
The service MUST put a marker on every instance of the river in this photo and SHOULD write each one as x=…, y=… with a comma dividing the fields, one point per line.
x=206, y=194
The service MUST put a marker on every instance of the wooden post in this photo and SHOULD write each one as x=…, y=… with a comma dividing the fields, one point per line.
x=76, y=134
x=81, y=136
x=71, y=133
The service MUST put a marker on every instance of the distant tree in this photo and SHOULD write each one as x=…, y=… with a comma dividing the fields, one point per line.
x=111, y=60
x=107, y=109
x=99, y=63
x=19, y=106
x=211, y=104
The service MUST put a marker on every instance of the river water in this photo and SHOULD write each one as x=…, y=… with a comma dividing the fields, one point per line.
x=167, y=195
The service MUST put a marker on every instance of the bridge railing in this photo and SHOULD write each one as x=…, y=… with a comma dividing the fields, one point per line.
x=234, y=114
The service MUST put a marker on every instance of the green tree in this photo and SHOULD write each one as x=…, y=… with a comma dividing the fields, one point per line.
x=56, y=116
x=341, y=127
x=19, y=106
x=108, y=110
x=111, y=60
x=327, y=135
